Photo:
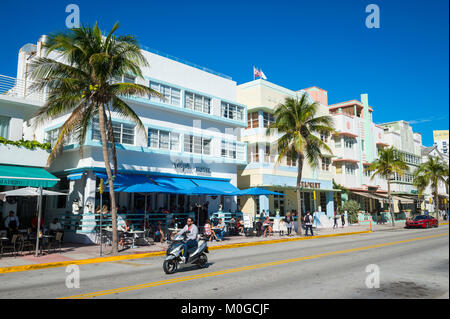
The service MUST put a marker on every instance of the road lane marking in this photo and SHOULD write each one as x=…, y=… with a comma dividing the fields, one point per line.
x=162, y=253
x=234, y=270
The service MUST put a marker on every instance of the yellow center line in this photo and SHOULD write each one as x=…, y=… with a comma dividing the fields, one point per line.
x=234, y=270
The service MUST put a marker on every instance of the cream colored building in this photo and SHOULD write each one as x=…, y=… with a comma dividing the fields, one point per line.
x=261, y=98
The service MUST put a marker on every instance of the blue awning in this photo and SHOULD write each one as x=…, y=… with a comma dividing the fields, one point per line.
x=75, y=176
x=256, y=191
x=221, y=187
x=178, y=184
x=145, y=188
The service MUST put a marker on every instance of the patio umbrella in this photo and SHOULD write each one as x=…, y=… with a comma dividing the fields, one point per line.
x=31, y=191
x=256, y=191
x=27, y=191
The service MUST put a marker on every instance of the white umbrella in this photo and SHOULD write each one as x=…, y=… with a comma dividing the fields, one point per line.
x=31, y=191
x=27, y=191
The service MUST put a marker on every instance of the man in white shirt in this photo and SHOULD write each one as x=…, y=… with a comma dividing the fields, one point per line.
x=55, y=226
x=191, y=232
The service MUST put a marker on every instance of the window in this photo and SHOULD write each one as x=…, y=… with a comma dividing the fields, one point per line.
x=348, y=142
x=362, y=145
x=231, y=111
x=367, y=173
x=171, y=94
x=268, y=119
x=52, y=136
x=229, y=149
x=123, y=133
x=338, y=169
x=324, y=137
x=127, y=78
x=197, y=102
x=326, y=163
x=337, y=142
x=163, y=140
x=252, y=120
x=350, y=169
x=4, y=126
x=197, y=144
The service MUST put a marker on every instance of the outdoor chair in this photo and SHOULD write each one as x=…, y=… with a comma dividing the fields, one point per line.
x=56, y=241
x=12, y=247
x=24, y=244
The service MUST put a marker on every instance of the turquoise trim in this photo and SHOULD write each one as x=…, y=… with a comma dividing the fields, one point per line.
x=142, y=149
x=167, y=129
x=123, y=171
x=190, y=112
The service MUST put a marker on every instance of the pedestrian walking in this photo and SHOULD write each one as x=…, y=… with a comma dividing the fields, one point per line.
x=308, y=223
x=289, y=223
x=335, y=221
x=343, y=219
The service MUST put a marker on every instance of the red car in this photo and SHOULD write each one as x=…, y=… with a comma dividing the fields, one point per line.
x=422, y=221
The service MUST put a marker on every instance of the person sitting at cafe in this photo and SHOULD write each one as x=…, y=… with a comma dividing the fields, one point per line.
x=34, y=223
x=209, y=233
x=240, y=225
x=220, y=229
x=124, y=227
x=267, y=227
x=173, y=223
x=12, y=224
x=159, y=232
x=54, y=227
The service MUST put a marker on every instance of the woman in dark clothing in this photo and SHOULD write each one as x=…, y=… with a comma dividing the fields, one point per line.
x=343, y=219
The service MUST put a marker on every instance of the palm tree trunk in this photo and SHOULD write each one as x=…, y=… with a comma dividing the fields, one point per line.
x=390, y=201
x=436, y=203
x=299, y=197
x=102, y=122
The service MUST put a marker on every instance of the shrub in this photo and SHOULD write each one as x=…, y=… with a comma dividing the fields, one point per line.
x=352, y=207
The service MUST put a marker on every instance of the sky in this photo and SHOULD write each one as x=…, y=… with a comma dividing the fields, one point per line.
x=403, y=65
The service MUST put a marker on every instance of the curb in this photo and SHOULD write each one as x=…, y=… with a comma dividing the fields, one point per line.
x=159, y=253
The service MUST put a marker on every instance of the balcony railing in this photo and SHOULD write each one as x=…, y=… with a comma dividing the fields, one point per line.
x=19, y=88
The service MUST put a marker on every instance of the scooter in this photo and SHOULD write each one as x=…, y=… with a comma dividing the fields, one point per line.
x=196, y=255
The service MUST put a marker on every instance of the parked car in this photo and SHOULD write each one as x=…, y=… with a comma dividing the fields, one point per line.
x=422, y=221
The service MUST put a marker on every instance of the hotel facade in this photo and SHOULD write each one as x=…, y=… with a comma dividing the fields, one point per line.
x=208, y=132
x=190, y=140
x=261, y=98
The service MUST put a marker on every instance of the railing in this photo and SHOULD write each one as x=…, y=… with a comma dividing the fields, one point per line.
x=19, y=88
x=171, y=57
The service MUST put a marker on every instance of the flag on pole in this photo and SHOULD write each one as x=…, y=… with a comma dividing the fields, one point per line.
x=262, y=74
x=256, y=72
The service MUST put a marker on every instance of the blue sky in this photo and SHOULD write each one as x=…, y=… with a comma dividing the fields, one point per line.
x=403, y=65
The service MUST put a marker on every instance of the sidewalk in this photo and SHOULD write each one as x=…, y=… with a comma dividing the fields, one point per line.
x=76, y=252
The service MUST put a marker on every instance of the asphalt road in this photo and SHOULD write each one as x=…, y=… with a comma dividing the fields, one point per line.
x=411, y=264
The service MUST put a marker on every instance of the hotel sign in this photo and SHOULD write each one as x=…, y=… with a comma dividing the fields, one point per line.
x=310, y=185
x=186, y=168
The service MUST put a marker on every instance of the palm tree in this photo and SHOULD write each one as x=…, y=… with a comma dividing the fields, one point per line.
x=83, y=87
x=430, y=173
x=297, y=120
x=388, y=163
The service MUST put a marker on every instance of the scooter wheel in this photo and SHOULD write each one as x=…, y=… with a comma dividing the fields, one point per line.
x=170, y=266
x=202, y=261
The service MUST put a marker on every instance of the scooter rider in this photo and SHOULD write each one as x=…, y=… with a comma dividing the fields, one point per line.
x=191, y=237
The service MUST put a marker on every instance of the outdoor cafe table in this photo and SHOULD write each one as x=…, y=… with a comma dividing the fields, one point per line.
x=135, y=234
